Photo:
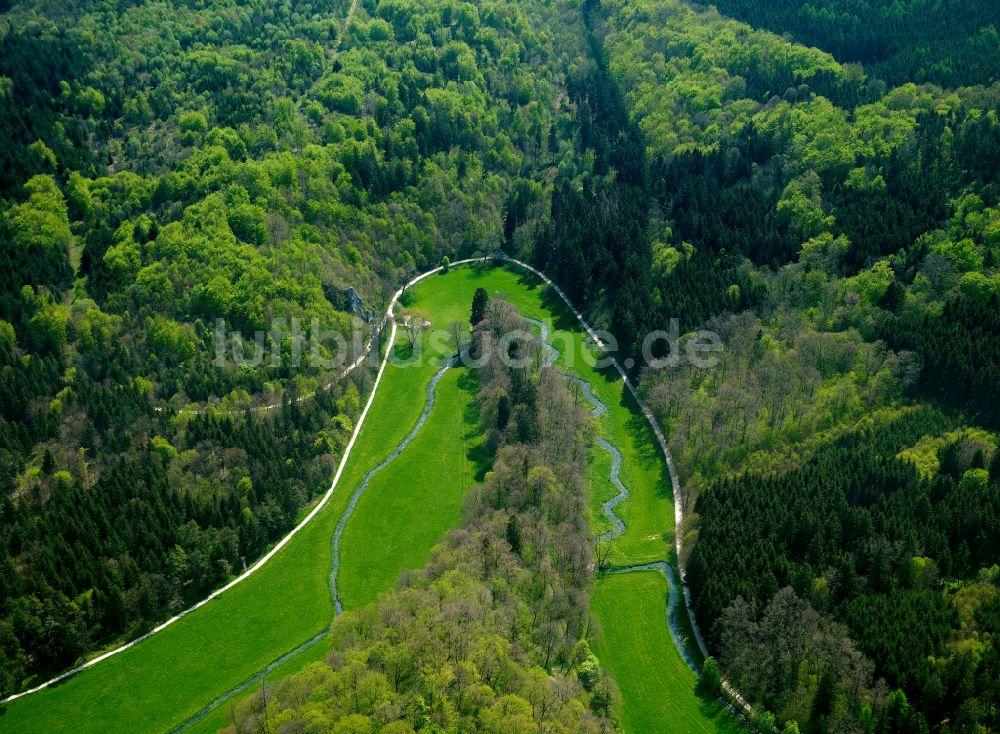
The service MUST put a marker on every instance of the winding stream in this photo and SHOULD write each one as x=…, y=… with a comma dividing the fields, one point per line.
x=673, y=616
x=356, y=497
x=609, y=506
x=335, y=566
x=732, y=699
x=599, y=409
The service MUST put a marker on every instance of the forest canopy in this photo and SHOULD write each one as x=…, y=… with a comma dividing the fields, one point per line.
x=245, y=165
x=815, y=183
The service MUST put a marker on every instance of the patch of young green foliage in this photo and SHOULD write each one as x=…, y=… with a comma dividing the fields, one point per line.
x=841, y=238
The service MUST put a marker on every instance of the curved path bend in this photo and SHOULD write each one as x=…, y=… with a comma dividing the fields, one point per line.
x=387, y=319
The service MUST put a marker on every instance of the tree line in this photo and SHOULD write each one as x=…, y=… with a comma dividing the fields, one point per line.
x=897, y=42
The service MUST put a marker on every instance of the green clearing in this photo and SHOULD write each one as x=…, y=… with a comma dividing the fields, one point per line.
x=601, y=490
x=167, y=678
x=415, y=500
x=412, y=503
x=648, y=513
x=657, y=685
x=658, y=688
x=637, y=648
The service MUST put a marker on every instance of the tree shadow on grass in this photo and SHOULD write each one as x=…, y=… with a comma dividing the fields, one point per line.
x=650, y=453
x=562, y=318
x=402, y=351
x=484, y=268
x=478, y=454
x=526, y=279
x=715, y=711
x=35, y=680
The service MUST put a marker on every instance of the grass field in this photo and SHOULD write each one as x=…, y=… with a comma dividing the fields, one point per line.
x=648, y=512
x=169, y=677
x=658, y=688
x=159, y=683
x=601, y=490
x=656, y=683
x=416, y=499
x=222, y=716
x=413, y=502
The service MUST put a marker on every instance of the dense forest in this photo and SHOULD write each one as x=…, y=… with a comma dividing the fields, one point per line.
x=865, y=539
x=233, y=172
x=951, y=44
x=818, y=184
x=840, y=235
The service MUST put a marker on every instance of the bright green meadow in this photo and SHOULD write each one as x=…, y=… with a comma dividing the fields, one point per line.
x=165, y=680
x=658, y=688
x=171, y=676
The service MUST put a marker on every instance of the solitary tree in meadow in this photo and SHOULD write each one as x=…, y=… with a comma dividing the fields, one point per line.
x=480, y=301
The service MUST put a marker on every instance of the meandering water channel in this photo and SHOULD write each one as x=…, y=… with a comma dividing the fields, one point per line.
x=677, y=589
x=335, y=565
x=356, y=496
x=674, y=600
x=599, y=409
